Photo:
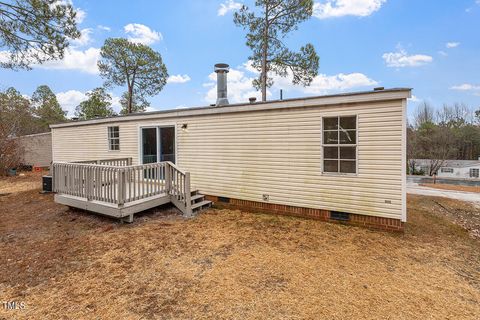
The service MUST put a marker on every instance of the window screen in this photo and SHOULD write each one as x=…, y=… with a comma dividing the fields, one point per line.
x=340, y=144
x=474, y=173
x=113, y=138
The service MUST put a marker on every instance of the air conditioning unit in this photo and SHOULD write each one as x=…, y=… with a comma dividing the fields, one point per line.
x=47, y=184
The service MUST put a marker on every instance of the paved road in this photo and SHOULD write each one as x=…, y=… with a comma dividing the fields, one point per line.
x=459, y=195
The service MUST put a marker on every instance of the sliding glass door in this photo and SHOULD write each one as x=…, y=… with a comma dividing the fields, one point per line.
x=167, y=144
x=158, y=144
x=149, y=145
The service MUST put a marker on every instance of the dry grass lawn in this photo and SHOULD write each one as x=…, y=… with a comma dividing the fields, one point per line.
x=66, y=264
x=452, y=187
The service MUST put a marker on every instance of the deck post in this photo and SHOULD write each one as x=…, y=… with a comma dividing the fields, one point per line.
x=121, y=187
x=89, y=183
x=54, y=176
x=188, y=195
x=168, y=179
x=128, y=219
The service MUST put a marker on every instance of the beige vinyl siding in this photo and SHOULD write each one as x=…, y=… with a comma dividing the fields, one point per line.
x=276, y=152
x=91, y=142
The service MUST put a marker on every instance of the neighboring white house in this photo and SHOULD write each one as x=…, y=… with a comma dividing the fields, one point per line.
x=330, y=157
x=461, y=169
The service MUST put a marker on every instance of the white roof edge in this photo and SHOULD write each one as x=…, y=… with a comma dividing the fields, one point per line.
x=345, y=98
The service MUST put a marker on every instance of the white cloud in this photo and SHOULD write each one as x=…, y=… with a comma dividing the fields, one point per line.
x=115, y=102
x=85, y=61
x=468, y=10
x=451, y=45
x=240, y=84
x=81, y=14
x=105, y=28
x=81, y=60
x=4, y=56
x=401, y=59
x=228, y=6
x=323, y=84
x=339, y=8
x=466, y=87
x=150, y=109
x=442, y=53
x=414, y=98
x=140, y=33
x=84, y=38
x=178, y=78
x=70, y=99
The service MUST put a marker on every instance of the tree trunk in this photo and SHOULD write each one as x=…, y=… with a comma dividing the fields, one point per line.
x=130, y=99
x=263, y=75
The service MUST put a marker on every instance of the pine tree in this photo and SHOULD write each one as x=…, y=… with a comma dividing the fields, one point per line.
x=267, y=27
x=133, y=64
x=35, y=31
x=98, y=104
x=46, y=107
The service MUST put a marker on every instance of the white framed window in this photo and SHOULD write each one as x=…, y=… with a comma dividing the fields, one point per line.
x=446, y=170
x=340, y=144
x=114, y=138
x=474, y=173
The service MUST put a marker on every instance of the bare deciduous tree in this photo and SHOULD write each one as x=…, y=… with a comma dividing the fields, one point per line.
x=424, y=113
x=15, y=120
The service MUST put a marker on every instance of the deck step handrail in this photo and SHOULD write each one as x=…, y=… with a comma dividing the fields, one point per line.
x=178, y=186
x=120, y=185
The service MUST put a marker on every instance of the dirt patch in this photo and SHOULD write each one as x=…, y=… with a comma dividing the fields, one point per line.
x=24, y=181
x=451, y=187
x=464, y=214
x=66, y=264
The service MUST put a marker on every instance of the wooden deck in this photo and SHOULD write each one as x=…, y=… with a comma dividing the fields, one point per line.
x=115, y=188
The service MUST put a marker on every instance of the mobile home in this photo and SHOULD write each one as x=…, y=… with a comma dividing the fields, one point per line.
x=458, y=169
x=334, y=157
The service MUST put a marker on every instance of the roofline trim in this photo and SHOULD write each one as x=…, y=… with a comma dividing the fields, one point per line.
x=327, y=100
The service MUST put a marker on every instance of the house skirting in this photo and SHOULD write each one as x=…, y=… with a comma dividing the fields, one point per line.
x=378, y=223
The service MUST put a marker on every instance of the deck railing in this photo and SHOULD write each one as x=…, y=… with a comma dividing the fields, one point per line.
x=117, y=162
x=120, y=185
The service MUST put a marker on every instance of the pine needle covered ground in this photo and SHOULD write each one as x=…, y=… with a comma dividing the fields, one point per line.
x=65, y=264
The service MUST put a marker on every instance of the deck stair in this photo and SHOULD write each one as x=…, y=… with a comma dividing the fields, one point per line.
x=198, y=202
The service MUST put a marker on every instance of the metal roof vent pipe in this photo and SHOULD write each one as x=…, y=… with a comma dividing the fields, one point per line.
x=221, y=69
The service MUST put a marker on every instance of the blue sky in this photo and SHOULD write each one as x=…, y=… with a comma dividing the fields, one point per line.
x=432, y=46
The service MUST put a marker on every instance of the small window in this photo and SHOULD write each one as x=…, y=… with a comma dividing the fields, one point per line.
x=113, y=138
x=446, y=170
x=340, y=144
x=474, y=173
